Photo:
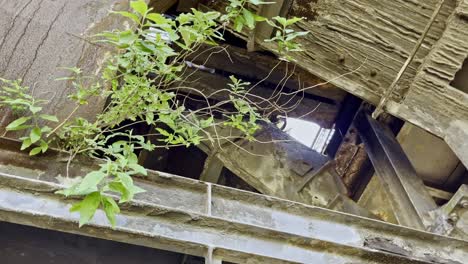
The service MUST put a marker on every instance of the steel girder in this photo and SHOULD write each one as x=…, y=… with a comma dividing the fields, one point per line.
x=216, y=222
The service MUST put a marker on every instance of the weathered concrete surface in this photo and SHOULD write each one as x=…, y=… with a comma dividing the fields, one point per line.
x=192, y=217
x=275, y=164
x=37, y=37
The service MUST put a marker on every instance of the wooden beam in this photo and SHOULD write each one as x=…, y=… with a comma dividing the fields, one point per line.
x=369, y=41
x=432, y=103
x=255, y=66
x=296, y=105
x=360, y=46
x=366, y=40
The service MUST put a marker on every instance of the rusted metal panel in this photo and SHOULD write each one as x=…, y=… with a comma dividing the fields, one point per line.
x=212, y=221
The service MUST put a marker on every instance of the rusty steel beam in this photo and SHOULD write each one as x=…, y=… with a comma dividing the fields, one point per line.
x=407, y=193
x=212, y=221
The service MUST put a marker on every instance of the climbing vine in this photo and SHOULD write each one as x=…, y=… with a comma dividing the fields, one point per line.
x=140, y=80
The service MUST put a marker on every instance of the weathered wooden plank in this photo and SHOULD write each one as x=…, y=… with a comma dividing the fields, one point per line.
x=387, y=32
x=432, y=103
x=37, y=37
x=361, y=45
x=373, y=36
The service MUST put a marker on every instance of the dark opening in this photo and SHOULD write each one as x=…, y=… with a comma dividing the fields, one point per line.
x=461, y=78
x=28, y=245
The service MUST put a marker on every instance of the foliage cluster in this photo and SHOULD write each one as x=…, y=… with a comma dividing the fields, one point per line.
x=139, y=82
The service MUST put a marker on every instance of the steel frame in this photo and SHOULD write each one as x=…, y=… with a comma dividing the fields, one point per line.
x=407, y=193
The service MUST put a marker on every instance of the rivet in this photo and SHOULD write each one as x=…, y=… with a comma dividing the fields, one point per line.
x=453, y=217
x=464, y=203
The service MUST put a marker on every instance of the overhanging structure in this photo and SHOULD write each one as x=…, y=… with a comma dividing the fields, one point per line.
x=216, y=222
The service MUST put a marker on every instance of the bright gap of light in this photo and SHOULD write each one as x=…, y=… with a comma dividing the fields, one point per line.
x=308, y=133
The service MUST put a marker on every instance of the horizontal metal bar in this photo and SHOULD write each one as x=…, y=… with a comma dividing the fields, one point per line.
x=237, y=226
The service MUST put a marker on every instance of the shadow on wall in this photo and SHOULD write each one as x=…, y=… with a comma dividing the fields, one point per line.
x=27, y=245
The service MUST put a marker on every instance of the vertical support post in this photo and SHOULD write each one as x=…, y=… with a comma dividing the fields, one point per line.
x=408, y=196
x=210, y=259
x=208, y=198
x=212, y=168
x=457, y=139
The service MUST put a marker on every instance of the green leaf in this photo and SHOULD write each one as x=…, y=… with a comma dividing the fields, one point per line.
x=126, y=180
x=259, y=2
x=259, y=18
x=35, y=134
x=87, y=208
x=135, y=190
x=110, y=208
x=44, y=146
x=18, y=122
x=137, y=169
x=293, y=20
x=139, y=6
x=127, y=38
x=249, y=18
x=35, y=151
x=49, y=118
x=26, y=143
x=283, y=21
x=132, y=16
x=119, y=188
x=157, y=18
x=239, y=23
x=35, y=109
x=295, y=35
x=90, y=183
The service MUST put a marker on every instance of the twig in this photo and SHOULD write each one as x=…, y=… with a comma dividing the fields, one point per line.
x=392, y=87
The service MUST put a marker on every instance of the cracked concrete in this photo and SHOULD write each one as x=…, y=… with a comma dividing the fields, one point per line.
x=39, y=37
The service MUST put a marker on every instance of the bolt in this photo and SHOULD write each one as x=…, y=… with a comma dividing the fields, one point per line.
x=453, y=217
x=464, y=203
x=341, y=59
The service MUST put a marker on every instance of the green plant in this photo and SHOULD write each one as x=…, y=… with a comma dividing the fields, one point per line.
x=139, y=82
x=15, y=96
x=285, y=36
